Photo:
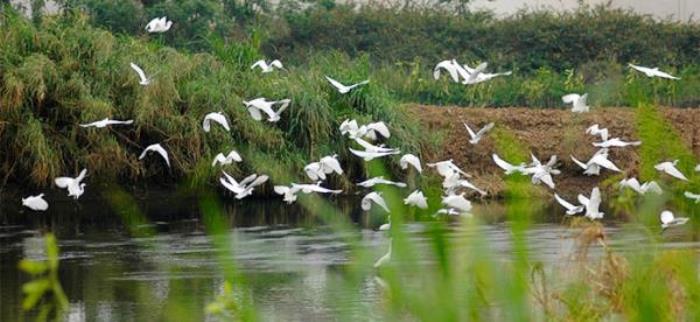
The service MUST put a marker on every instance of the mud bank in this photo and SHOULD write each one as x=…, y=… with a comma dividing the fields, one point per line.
x=545, y=133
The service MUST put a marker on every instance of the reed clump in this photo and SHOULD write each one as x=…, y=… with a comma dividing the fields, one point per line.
x=65, y=72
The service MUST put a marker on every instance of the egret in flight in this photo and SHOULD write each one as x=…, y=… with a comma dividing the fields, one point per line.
x=74, y=186
x=343, y=89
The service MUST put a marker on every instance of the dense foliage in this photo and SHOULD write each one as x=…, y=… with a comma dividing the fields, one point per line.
x=64, y=72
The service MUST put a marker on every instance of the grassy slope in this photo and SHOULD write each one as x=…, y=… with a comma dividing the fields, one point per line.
x=66, y=72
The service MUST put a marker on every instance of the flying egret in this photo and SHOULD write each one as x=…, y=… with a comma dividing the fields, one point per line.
x=261, y=104
x=692, y=196
x=616, y=143
x=217, y=117
x=507, y=167
x=36, y=203
x=290, y=193
x=670, y=168
x=570, y=208
x=634, y=184
x=448, y=65
x=105, y=122
x=73, y=185
x=598, y=160
x=454, y=182
x=595, y=129
x=245, y=187
x=265, y=67
x=542, y=173
x=416, y=199
x=157, y=148
x=410, y=159
x=592, y=204
x=222, y=159
x=143, y=80
x=457, y=202
x=476, y=137
x=578, y=102
x=447, y=168
x=327, y=165
x=159, y=25
x=369, y=147
x=369, y=156
x=653, y=72
x=380, y=180
x=369, y=131
x=474, y=75
x=373, y=197
x=669, y=220
x=342, y=89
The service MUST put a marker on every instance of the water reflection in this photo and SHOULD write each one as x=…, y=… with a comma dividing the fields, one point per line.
x=292, y=262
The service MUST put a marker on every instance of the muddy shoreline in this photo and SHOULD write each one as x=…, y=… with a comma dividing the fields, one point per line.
x=546, y=132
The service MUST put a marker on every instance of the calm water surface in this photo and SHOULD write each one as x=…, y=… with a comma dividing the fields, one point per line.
x=292, y=262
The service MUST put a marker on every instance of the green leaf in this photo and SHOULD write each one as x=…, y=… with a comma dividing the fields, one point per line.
x=34, y=290
x=32, y=267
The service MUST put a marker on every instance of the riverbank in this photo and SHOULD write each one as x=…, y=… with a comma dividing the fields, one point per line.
x=547, y=132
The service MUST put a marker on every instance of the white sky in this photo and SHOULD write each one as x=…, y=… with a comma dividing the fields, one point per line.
x=676, y=9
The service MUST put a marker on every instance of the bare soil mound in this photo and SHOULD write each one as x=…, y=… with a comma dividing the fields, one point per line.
x=545, y=133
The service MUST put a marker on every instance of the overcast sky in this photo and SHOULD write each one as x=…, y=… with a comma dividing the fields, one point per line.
x=678, y=9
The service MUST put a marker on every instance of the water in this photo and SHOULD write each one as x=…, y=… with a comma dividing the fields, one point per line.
x=292, y=262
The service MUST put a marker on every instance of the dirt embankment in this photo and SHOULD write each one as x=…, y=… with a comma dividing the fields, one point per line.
x=545, y=133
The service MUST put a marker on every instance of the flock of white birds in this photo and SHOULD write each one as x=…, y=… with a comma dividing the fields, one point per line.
x=455, y=180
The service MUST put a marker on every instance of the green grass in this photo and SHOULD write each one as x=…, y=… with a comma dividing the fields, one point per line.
x=65, y=72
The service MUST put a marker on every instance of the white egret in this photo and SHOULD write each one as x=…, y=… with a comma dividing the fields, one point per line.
x=157, y=148
x=159, y=25
x=245, y=187
x=476, y=75
x=447, y=168
x=416, y=199
x=143, y=80
x=507, y=167
x=598, y=160
x=592, y=204
x=595, y=129
x=373, y=197
x=369, y=147
x=261, y=104
x=669, y=220
x=369, y=156
x=692, y=196
x=410, y=159
x=265, y=67
x=669, y=167
x=290, y=193
x=616, y=143
x=73, y=185
x=570, y=208
x=476, y=137
x=342, y=89
x=222, y=159
x=105, y=122
x=457, y=202
x=217, y=117
x=327, y=165
x=653, y=72
x=634, y=184
x=368, y=131
x=542, y=172
x=578, y=102
x=454, y=182
x=448, y=65
x=36, y=203
x=380, y=180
